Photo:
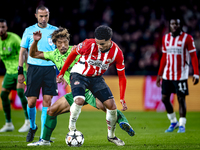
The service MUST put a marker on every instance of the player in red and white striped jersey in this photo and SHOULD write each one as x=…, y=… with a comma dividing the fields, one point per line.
x=177, y=48
x=96, y=57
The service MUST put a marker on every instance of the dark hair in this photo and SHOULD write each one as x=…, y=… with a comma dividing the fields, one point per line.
x=41, y=7
x=3, y=20
x=176, y=17
x=103, y=32
x=59, y=33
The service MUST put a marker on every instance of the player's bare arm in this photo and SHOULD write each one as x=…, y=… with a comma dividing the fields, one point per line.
x=195, y=79
x=33, y=49
x=158, y=81
x=22, y=54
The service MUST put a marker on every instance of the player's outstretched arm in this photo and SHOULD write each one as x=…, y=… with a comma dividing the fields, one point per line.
x=33, y=49
x=68, y=62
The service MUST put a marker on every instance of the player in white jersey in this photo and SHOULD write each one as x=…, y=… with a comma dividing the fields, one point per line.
x=177, y=48
x=96, y=57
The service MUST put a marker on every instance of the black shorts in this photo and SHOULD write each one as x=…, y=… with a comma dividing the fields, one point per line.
x=41, y=77
x=178, y=87
x=96, y=85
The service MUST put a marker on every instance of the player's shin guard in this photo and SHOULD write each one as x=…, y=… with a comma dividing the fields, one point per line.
x=6, y=105
x=182, y=121
x=172, y=117
x=43, y=119
x=49, y=126
x=75, y=110
x=20, y=93
x=32, y=115
x=111, y=118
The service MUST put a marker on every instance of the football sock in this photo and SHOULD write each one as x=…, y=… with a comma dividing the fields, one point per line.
x=6, y=105
x=20, y=93
x=43, y=119
x=49, y=126
x=75, y=110
x=111, y=118
x=182, y=121
x=172, y=117
x=32, y=115
x=121, y=117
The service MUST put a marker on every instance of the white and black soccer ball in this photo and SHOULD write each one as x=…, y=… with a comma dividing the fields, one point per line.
x=74, y=138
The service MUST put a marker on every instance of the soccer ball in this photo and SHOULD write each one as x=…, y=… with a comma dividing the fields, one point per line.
x=74, y=138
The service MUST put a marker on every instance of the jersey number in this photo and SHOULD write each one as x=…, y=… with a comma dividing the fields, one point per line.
x=182, y=87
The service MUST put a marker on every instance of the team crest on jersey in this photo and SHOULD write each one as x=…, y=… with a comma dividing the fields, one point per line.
x=50, y=41
x=76, y=82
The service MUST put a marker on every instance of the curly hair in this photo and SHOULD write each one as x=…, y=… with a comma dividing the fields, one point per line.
x=103, y=33
x=60, y=33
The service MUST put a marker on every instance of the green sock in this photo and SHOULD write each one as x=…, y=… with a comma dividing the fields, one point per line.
x=121, y=117
x=23, y=99
x=6, y=105
x=49, y=126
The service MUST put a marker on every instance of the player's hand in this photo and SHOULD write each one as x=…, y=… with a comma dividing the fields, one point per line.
x=21, y=78
x=37, y=36
x=75, y=46
x=123, y=105
x=60, y=79
x=195, y=79
x=158, y=81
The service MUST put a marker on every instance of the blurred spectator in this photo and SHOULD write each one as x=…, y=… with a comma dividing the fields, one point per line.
x=137, y=27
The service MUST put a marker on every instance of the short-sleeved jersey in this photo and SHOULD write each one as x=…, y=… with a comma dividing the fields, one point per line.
x=45, y=44
x=58, y=59
x=93, y=62
x=177, y=51
x=9, y=52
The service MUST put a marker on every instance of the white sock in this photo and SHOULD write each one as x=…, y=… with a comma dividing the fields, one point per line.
x=182, y=121
x=172, y=117
x=75, y=110
x=111, y=118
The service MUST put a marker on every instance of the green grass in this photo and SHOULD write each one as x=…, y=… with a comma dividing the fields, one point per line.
x=149, y=128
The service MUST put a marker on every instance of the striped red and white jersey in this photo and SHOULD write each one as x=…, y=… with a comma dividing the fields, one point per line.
x=177, y=51
x=93, y=62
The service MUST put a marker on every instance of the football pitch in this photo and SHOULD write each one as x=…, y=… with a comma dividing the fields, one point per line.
x=149, y=128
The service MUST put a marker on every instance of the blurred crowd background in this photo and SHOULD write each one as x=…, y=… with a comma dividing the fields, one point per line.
x=138, y=26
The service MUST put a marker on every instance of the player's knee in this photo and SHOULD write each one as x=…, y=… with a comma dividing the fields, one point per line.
x=79, y=100
x=4, y=95
x=165, y=99
x=50, y=111
x=110, y=104
x=31, y=103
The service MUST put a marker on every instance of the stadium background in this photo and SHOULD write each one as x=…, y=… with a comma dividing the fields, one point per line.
x=138, y=28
